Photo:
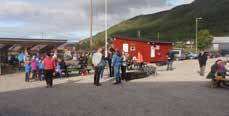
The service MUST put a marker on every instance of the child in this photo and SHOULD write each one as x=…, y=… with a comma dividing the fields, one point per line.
x=63, y=68
x=27, y=71
x=40, y=70
x=34, y=68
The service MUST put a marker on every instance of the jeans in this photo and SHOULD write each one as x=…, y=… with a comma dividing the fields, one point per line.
x=117, y=73
x=123, y=69
x=202, y=70
x=111, y=69
x=97, y=75
x=49, y=77
x=102, y=71
x=35, y=74
x=170, y=65
x=27, y=74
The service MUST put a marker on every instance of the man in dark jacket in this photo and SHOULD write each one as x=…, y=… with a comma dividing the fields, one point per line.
x=171, y=58
x=110, y=55
x=202, y=58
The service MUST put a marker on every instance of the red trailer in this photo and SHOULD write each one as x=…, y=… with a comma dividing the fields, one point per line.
x=152, y=51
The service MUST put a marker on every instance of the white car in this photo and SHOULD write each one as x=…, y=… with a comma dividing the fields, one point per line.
x=179, y=54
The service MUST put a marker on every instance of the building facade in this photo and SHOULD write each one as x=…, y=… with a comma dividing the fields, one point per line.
x=221, y=43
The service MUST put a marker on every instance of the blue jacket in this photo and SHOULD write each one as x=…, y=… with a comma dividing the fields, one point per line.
x=40, y=66
x=21, y=57
x=27, y=68
x=103, y=62
x=117, y=60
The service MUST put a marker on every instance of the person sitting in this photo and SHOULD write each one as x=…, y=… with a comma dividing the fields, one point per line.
x=140, y=60
x=63, y=67
x=217, y=73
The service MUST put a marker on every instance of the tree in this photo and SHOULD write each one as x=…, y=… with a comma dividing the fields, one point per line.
x=204, y=40
x=179, y=44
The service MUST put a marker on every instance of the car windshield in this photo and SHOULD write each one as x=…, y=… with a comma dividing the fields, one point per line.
x=175, y=52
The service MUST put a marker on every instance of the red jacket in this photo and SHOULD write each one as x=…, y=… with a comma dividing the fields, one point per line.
x=49, y=63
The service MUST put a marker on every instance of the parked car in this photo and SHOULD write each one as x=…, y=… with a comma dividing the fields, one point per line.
x=179, y=54
x=191, y=55
x=225, y=52
x=214, y=54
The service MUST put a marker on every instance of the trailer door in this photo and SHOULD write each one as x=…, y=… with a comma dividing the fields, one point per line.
x=152, y=52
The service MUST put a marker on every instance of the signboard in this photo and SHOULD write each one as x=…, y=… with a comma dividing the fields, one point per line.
x=152, y=52
x=125, y=47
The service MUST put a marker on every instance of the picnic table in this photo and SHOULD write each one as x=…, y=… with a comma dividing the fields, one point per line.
x=72, y=69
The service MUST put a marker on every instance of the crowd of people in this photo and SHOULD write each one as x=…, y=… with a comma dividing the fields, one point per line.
x=117, y=62
x=46, y=67
x=42, y=67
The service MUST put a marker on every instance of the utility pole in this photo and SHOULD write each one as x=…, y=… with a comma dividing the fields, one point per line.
x=139, y=34
x=158, y=36
x=197, y=19
x=91, y=25
x=42, y=35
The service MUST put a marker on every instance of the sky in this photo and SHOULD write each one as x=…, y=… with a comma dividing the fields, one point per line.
x=69, y=19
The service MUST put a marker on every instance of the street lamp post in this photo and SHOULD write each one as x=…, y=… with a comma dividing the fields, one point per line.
x=197, y=19
x=91, y=25
x=106, y=27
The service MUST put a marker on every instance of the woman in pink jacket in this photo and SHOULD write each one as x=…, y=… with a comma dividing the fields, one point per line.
x=49, y=68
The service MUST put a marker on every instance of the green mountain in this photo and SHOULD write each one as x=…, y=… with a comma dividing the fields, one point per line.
x=177, y=24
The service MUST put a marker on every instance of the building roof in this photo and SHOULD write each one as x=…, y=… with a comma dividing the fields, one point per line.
x=14, y=44
x=22, y=40
x=220, y=40
x=140, y=39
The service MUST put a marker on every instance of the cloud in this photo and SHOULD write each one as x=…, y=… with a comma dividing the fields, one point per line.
x=69, y=18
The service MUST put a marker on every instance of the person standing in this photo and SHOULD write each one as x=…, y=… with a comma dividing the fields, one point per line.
x=21, y=59
x=96, y=60
x=49, y=68
x=124, y=65
x=110, y=55
x=34, y=68
x=117, y=63
x=27, y=70
x=171, y=58
x=40, y=70
x=202, y=58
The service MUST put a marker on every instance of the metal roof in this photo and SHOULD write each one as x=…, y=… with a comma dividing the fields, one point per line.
x=14, y=44
x=220, y=40
x=140, y=39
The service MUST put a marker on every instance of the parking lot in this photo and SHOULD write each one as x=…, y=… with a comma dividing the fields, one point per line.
x=181, y=92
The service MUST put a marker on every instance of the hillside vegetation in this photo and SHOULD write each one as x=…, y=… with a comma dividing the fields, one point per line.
x=177, y=24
